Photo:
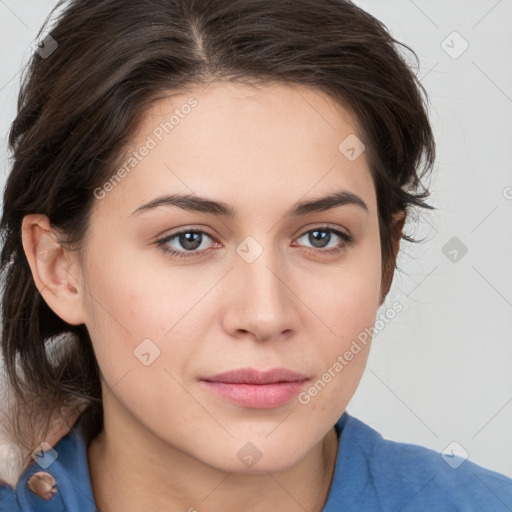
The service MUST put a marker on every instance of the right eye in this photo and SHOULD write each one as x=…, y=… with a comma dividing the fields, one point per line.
x=187, y=242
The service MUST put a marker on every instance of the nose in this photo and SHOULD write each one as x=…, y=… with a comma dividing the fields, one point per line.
x=261, y=303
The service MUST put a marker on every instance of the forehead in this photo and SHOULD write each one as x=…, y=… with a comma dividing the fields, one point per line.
x=269, y=144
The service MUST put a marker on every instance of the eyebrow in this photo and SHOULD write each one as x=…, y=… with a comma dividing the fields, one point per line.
x=201, y=204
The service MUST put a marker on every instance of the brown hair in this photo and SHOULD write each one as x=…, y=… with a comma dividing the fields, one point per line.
x=83, y=96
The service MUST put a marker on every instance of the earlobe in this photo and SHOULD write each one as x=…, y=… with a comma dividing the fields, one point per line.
x=53, y=269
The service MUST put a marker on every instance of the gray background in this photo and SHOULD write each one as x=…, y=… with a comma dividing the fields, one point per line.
x=440, y=372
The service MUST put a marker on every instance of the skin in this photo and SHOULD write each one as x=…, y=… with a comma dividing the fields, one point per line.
x=168, y=443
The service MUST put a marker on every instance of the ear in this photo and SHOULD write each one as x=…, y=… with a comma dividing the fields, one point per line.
x=397, y=225
x=54, y=269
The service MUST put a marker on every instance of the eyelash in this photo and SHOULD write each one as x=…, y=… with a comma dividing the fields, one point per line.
x=162, y=243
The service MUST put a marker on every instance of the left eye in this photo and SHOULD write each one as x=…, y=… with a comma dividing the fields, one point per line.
x=191, y=241
x=319, y=236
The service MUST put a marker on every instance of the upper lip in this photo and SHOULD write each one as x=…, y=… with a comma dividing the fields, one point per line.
x=252, y=376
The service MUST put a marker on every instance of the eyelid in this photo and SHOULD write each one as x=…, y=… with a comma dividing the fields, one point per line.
x=327, y=226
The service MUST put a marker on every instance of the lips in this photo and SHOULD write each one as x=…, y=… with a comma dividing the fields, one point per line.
x=256, y=389
x=251, y=376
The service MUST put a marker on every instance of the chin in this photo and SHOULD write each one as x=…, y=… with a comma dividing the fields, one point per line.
x=256, y=457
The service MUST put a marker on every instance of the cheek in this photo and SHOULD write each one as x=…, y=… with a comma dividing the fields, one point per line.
x=346, y=297
x=138, y=306
x=122, y=311
x=347, y=304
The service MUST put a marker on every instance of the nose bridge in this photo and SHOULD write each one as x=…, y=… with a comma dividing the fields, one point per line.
x=263, y=301
x=258, y=266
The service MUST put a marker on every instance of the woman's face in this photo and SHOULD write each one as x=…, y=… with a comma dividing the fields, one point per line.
x=271, y=285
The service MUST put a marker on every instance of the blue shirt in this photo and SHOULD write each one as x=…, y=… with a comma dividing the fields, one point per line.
x=371, y=474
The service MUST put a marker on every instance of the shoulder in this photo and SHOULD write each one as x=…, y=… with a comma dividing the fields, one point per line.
x=403, y=476
x=57, y=480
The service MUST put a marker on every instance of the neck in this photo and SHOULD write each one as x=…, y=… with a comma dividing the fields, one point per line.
x=132, y=470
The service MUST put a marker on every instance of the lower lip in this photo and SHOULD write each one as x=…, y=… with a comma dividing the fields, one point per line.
x=256, y=396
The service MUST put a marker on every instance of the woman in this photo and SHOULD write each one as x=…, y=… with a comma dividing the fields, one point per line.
x=202, y=219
